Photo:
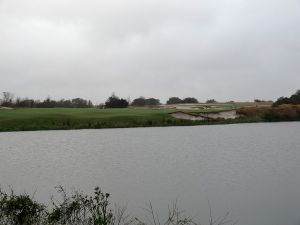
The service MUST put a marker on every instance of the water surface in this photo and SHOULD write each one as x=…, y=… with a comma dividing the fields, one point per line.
x=251, y=170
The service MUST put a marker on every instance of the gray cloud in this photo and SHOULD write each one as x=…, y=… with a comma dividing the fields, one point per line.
x=228, y=50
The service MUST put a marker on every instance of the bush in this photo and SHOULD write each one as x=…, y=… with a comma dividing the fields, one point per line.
x=252, y=111
x=20, y=209
x=80, y=209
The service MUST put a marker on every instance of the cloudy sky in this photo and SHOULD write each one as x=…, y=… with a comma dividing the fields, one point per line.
x=222, y=49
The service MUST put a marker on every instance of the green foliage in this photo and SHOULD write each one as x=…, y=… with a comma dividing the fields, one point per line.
x=271, y=116
x=190, y=100
x=210, y=101
x=152, y=101
x=293, y=99
x=115, y=102
x=80, y=209
x=69, y=210
x=174, y=100
x=141, y=101
x=81, y=118
x=20, y=209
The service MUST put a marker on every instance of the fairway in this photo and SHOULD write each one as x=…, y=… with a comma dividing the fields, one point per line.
x=69, y=118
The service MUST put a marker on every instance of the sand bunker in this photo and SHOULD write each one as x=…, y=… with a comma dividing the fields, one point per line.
x=5, y=108
x=206, y=116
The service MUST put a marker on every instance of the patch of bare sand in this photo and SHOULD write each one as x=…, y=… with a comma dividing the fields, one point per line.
x=206, y=116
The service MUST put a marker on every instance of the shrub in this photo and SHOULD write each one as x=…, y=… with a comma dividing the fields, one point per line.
x=252, y=111
x=20, y=209
x=80, y=209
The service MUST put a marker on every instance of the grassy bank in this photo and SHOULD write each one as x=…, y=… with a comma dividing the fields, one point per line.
x=64, y=118
x=61, y=118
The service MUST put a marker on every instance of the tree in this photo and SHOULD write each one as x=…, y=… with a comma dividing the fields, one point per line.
x=7, y=99
x=190, y=100
x=152, y=101
x=141, y=101
x=115, y=102
x=211, y=101
x=293, y=99
x=174, y=100
x=79, y=103
x=25, y=103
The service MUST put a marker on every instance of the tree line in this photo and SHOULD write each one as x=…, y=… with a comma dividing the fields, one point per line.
x=8, y=100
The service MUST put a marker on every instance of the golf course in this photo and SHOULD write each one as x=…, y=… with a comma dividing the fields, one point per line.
x=26, y=119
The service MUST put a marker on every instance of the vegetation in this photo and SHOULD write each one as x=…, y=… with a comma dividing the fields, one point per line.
x=117, y=114
x=272, y=114
x=65, y=119
x=283, y=113
x=190, y=100
x=293, y=99
x=209, y=101
x=81, y=209
x=174, y=100
x=141, y=101
x=115, y=102
x=62, y=118
x=9, y=101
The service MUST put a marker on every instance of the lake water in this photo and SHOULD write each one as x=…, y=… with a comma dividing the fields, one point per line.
x=249, y=170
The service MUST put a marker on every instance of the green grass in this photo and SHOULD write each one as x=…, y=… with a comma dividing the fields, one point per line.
x=61, y=118
x=65, y=118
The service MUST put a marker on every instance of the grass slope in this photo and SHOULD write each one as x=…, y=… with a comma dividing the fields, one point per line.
x=70, y=118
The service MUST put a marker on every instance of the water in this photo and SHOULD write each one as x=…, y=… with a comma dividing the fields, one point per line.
x=249, y=170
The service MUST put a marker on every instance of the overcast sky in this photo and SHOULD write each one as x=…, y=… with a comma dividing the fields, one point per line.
x=222, y=49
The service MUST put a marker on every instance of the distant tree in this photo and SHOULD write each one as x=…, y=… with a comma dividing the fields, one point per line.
x=101, y=106
x=152, y=101
x=123, y=103
x=65, y=103
x=293, y=99
x=141, y=101
x=7, y=99
x=174, y=100
x=115, y=102
x=47, y=103
x=90, y=104
x=258, y=100
x=190, y=100
x=79, y=103
x=25, y=103
x=211, y=101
